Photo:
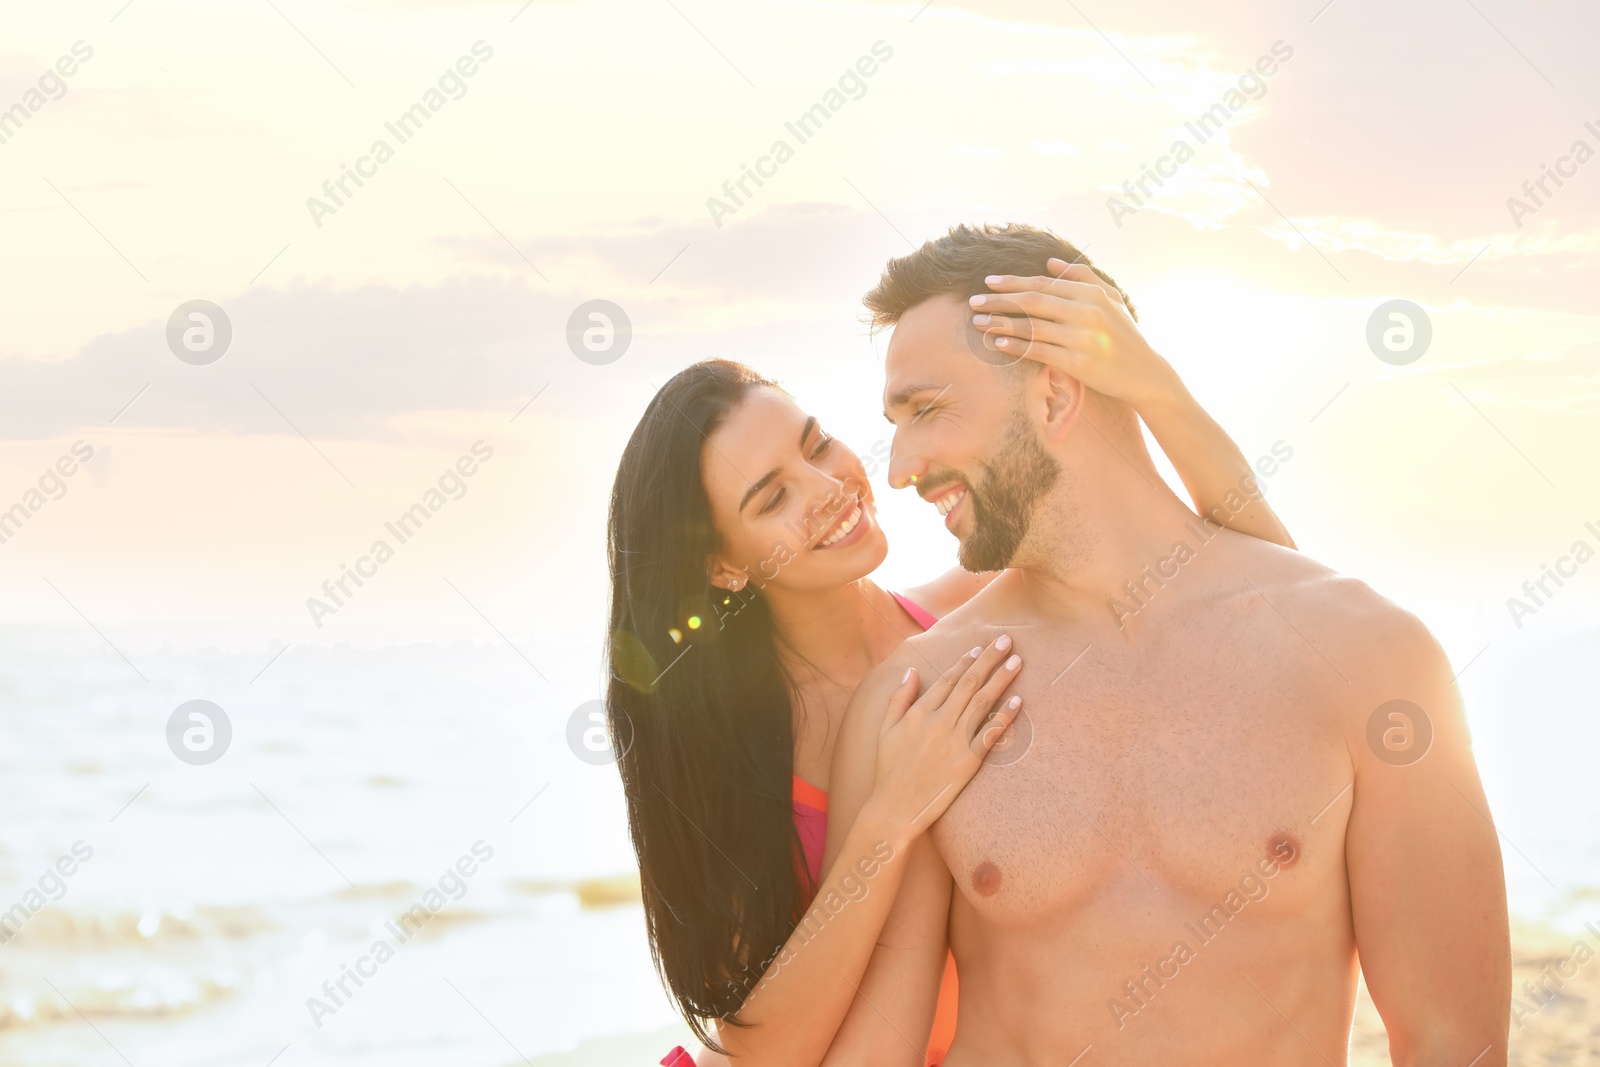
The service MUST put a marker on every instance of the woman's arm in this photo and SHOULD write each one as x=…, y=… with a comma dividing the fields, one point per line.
x=1213, y=469
x=891, y=1018
x=924, y=750
x=801, y=1000
x=1076, y=322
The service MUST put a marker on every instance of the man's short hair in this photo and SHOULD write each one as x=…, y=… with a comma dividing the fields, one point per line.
x=957, y=264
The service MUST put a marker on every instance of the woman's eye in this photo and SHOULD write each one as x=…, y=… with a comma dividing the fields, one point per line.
x=772, y=505
x=919, y=414
x=823, y=446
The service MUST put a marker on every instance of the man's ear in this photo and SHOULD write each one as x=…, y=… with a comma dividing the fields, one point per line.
x=722, y=574
x=1063, y=397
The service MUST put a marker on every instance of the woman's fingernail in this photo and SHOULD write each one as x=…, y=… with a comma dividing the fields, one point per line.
x=991, y=279
x=1004, y=642
x=979, y=300
x=1013, y=663
x=911, y=672
x=976, y=650
x=981, y=320
x=1014, y=703
x=1003, y=342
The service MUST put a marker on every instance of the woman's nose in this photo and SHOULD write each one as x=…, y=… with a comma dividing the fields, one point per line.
x=826, y=489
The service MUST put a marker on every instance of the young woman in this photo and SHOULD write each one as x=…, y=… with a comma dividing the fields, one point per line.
x=742, y=619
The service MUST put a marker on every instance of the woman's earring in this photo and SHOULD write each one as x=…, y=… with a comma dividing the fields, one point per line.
x=735, y=584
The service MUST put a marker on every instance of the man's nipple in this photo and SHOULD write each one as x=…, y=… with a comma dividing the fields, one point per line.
x=1284, y=848
x=986, y=879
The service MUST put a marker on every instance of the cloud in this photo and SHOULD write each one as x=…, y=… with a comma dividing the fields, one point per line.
x=1056, y=148
x=1580, y=359
x=1403, y=144
x=354, y=362
x=796, y=254
x=337, y=362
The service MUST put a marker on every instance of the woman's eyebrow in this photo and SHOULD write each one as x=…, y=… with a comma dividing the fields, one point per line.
x=756, y=487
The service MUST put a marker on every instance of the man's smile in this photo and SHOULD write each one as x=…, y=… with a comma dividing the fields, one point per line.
x=948, y=499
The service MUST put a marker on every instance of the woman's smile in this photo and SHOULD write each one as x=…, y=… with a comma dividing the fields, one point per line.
x=851, y=526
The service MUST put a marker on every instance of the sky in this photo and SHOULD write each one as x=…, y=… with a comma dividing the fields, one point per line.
x=377, y=335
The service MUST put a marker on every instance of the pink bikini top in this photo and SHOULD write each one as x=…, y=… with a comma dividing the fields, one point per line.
x=811, y=803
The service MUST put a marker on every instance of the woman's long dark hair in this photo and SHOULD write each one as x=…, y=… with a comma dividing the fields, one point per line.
x=700, y=714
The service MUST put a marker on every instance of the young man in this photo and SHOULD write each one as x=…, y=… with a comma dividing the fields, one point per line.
x=1237, y=775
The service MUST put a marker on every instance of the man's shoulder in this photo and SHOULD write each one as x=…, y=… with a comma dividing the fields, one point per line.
x=1356, y=628
x=1315, y=589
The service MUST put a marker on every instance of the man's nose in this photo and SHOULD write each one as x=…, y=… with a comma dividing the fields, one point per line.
x=904, y=468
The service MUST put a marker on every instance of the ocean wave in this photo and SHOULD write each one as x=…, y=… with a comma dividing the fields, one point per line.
x=380, y=890
x=60, y=927
x=115, y=993
x=609, y=891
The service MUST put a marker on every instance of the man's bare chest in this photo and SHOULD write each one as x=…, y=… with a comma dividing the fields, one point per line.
x=1182, y=775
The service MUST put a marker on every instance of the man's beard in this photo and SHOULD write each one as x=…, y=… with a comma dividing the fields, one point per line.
x=1002, y=512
